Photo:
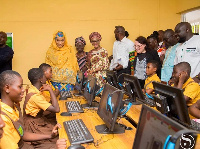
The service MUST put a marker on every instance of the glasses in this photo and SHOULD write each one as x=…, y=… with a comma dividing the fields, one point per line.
x=138, y=46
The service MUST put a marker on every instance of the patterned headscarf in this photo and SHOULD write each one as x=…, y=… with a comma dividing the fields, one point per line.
x=80, y=39
x=95, y=34
x=59, y=34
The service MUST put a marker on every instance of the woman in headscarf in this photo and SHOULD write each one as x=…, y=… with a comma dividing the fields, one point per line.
x=97, y=59
x=62, y=59
x=81, y=55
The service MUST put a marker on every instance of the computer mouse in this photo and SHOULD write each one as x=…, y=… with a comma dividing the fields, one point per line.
x=76, y=146
x=128, y=128
x=65, y=114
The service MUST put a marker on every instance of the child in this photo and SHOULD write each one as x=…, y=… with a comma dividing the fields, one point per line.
x=181, y=79
x=151, y=69
x=46, y=68
x=34, y=105
x=194, y=109
x=14, y=134
x=2, y=124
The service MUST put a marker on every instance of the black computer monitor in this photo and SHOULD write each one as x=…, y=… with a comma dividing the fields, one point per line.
x=153, y=129
x=111, y=78
x=89, y=92
x=109, y=108
x=171, y=101
x=79, y=83
x=132, y=88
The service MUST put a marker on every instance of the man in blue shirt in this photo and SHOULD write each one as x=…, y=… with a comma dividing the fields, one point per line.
x=168, y=62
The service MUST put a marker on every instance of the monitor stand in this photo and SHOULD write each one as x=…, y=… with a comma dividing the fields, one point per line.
x=94, y=104
x=103, y=129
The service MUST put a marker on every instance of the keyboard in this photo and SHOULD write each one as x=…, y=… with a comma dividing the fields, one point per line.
x=150, y=102
x=65, y=94
x=74, y=107
x=77, y=132
x=195, y=125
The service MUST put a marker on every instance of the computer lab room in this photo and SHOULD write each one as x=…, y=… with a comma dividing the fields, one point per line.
x=107, y=74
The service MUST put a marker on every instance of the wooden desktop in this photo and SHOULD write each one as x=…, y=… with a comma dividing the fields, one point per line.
x=91, y=119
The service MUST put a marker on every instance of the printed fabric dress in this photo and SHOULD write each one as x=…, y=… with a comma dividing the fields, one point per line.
x=98, y=59
x=64, y=65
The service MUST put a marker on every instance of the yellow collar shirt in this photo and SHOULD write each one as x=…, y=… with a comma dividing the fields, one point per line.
x=36, y=102
x=149, y=80
x=191, y=90
x=10, y=137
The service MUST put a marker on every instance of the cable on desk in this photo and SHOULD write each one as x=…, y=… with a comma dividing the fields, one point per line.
x=98, y=142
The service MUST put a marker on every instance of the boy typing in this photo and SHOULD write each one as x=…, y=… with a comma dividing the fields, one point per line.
x=151, y=69
x=181, y=78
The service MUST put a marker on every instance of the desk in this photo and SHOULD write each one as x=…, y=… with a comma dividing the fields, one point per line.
x=91, y=119
x=134, y=113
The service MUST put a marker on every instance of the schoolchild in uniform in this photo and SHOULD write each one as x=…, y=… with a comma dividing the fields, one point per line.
x=181, y=78
x=34, y=105
x=48, y=75
x=151, y=69
x=14, y=135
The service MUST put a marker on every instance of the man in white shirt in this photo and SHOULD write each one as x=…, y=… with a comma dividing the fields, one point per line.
x=189, y=49
x=121, y=48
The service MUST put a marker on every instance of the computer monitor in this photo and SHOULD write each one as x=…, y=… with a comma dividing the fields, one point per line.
x=109, y=108
x=153, y=129
x=111, y=78
x=171, y=101
x=79, y=83
x=89, y=92
x=132, y=88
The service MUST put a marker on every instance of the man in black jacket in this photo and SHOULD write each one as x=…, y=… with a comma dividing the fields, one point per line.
x=6, y=53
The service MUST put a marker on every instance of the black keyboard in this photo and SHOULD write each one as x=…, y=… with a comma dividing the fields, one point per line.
x=150, y=102
x=77, y=132
x=65, y=94
x=195, y=125
x=74, y=107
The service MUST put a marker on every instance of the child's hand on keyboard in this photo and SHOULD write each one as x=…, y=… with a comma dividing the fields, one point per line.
x=61, y=144
x=55, y=130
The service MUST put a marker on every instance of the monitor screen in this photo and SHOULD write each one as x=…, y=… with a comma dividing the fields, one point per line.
x=109, y=108
x=132, y=87
x=111, y=78
x=79, y=81
x=89, y=91
x=153, y=129
x=175, y=106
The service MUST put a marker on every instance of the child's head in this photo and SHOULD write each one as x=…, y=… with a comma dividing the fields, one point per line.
x=36, y=75
x=180, y=68
x=46, y=68
x=151, y=68
x=11, y=86
x=2, y=124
